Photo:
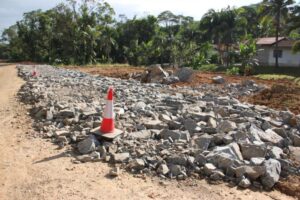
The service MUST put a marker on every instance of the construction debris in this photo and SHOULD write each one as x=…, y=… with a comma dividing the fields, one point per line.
x=168, y=132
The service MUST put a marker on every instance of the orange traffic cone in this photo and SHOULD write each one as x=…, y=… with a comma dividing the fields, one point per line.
x=107, y=129
x=34, y=73
x=108, y=125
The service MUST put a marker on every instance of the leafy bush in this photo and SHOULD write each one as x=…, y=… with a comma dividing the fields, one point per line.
x=208, y=68
x=214, y=58
x=198, y=61
x=233, y=71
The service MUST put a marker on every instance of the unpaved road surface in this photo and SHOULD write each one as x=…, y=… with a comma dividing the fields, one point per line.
x=33, y=168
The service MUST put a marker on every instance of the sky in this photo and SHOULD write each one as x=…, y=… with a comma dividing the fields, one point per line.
x=12, y=10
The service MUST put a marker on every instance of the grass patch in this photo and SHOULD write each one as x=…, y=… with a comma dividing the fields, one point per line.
x=208, y=68
x=275, y=77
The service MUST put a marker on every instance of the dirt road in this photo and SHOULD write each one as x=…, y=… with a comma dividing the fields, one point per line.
x=32, y=168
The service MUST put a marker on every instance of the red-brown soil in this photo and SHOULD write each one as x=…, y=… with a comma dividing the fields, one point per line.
x=279, y=96
x=290, y=186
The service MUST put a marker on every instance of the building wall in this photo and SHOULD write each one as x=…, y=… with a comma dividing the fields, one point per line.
x=263, y=56
x=288, y=59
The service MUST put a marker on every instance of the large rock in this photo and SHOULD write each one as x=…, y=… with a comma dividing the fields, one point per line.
x=175, y=170
x=66, y=113
x=296, y=140
x=222, y=160
x=276, y=152
x=252, y=172
x=120, y=157
x=271, y=136
x=170, y=80
x=218, y=80
x=273, y=170
x=244, y=183
x=177, y=160
x=267, y=136
x=190, y=125
x=136, y=164
x=203, y=141
x=163, y=169
x=140, y=105
x=257, y=161
x=288, y=118
x=255, y=132
x=175, y=135
x=295, y=153
x=155, y=74
x=209, y=168
x=250, y=150
x=88, y=145
x=200, y=159
x=232, y=150
x=226, y=126
x=184, y=74
x=217, y=175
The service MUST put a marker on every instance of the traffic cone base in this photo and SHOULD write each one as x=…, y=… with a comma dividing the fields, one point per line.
x=109, y=136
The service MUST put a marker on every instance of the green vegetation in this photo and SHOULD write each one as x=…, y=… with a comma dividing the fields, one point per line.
x=233, y=71
x=88, y=32
x=208, y=68
x=278, y=11
x=278, y=77
x=275, y=77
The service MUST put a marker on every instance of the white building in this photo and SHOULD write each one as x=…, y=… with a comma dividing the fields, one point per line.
x=286, y=58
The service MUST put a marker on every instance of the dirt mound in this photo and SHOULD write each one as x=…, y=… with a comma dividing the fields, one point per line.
x=290, y=186
x=112, y=71
x=279, y=96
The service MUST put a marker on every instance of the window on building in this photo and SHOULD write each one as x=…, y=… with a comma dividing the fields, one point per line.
x=278, y=53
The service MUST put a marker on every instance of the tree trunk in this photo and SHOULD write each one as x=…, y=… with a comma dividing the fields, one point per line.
x=277, y=36
x=227, y=55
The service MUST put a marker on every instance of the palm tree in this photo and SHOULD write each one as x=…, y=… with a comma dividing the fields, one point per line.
x=277, y=9
x=221, y=28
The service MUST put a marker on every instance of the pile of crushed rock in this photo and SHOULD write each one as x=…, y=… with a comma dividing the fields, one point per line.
x=169, y=132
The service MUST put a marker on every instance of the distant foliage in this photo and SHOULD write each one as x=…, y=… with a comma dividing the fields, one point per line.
x=88, y=32
x=296, y=47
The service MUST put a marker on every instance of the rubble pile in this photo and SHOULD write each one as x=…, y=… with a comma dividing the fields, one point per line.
x=168, y=132
x=156, y=74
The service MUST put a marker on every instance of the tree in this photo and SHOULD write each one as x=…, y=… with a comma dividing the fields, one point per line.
x=221, y=28
x=277, y=10
x=247, y=54
x=248, y=20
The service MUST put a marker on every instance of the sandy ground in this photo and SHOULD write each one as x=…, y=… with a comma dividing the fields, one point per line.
x=33, y=168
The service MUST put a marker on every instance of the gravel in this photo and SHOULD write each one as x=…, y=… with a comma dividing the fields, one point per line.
x=168, y=132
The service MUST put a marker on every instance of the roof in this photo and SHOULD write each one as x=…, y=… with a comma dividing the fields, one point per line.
x=286, y=43
x=268, y=40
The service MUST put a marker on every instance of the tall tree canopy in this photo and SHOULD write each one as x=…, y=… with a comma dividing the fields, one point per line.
x=87, y=31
